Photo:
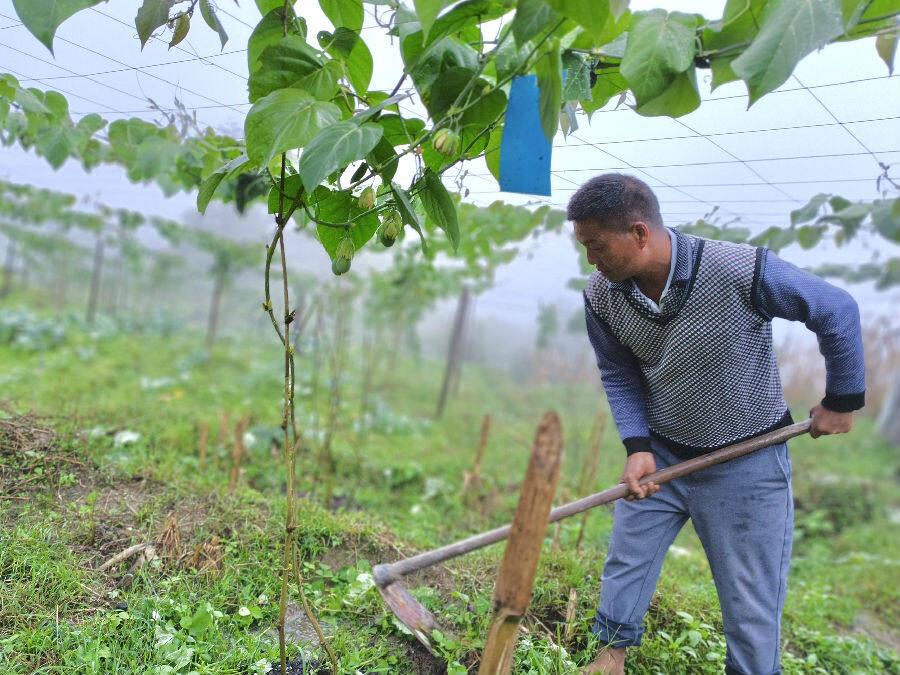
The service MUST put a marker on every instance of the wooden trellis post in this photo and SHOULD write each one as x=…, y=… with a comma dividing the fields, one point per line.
x=512, y=592
x=473, y=478
x=202, y=443
x=237, y=454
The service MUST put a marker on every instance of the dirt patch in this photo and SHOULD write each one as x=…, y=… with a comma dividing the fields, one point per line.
x=31, y=459
x=871, y=626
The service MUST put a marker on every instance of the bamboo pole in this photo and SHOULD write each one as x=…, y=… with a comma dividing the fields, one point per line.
x=515, y=580
x=237, y=454
x=202, y=443
x=473, y=478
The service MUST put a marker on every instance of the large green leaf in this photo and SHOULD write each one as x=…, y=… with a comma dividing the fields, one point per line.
x=346, y=13
x=400, y=131
x=609, y=83
x=853, y=11
x=12, y=90
x=492, y=152
x=335, y=147
x=809, y=210
x=532, y=18
x=451, y=83
x=738, y=25
x=485, y=111
x=408, y=212
x=339, y=206
x=590, y=14
x=886, y=219
x=577, y=84
x=269, y=31
x=775, y=238
x=211, y=183
x=427, y=11
x=426, y=64
x=349, y=47
x=55, y=144
x=660, y=47
x=438, y=204
x=266, y=6
x=549, y=76
x=384, y=159
x=283, y=65
x=790, y=30
x=153, y=14
x=465, y=15
x=43, y=17
x=284, y=120
x=208, y=12
x=810, y=235
x=679, y=98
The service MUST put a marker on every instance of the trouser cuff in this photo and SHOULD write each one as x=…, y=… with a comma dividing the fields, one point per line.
x=617, y=634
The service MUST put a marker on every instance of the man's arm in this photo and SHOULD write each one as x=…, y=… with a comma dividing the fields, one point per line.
x=625, y=391
x=786, y=291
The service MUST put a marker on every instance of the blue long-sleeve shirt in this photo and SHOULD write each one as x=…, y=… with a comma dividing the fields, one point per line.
x=784, y=291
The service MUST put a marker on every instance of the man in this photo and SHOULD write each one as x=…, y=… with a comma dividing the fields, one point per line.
x=681, y=327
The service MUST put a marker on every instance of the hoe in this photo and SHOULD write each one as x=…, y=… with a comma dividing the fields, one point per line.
x=421, y=622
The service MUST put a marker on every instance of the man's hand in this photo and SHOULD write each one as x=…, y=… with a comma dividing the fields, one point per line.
x=637, y=466
x=825, y=422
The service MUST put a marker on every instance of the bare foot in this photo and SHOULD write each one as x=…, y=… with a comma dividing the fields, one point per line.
x=610, y=662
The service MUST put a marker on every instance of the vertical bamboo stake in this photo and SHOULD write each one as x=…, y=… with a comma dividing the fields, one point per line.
x=471, y=479
x=590, y=468
x=557, y=531
x=237, y=454
x=223, y=428
x=571, y=609
x=454, y=349
x=515, y=580
x=201, y=445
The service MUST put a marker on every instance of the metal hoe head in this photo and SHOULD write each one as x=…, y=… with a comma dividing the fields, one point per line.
x=405, y=607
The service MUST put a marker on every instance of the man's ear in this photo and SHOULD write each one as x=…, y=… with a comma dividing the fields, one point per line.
x=641, y=232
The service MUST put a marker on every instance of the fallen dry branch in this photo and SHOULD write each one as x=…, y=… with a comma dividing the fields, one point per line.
x=123, y=556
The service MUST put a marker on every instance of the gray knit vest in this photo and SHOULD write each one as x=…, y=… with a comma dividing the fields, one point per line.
x=707, y=356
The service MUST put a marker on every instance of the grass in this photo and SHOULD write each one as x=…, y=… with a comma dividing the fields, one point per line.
x=74, y=491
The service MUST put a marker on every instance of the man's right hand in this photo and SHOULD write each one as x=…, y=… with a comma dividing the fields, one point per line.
x=637, y=466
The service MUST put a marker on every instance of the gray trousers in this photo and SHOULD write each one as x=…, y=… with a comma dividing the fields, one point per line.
x=743, y=512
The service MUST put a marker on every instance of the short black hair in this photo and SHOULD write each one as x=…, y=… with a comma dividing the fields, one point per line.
x=615, y=200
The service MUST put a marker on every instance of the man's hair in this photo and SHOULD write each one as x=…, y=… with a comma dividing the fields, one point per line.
x=615, y=200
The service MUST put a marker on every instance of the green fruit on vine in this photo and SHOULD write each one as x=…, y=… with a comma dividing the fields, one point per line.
x=340, y=265
x=391, y=226
x=367, y=199
x=345, y=249
x=446, y=142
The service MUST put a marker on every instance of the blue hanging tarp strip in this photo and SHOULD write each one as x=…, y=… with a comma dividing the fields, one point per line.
x=524, y=151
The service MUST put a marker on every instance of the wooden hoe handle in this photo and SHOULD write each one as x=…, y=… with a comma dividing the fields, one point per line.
x=386, y=574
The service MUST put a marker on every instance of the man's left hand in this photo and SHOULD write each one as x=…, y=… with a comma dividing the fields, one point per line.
x=826, y=422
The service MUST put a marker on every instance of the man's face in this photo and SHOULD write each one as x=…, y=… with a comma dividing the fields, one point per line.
x=615, y=253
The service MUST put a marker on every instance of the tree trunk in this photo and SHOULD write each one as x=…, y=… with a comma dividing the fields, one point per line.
x=114, y=292
x=515, y=580
x=215, y=302
x=8, y=266
x=454, y=351
x=95, y=280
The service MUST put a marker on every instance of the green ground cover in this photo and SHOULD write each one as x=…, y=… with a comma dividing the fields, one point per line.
x=75, y=489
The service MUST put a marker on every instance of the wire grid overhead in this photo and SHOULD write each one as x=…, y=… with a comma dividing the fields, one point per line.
x=833, y=127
